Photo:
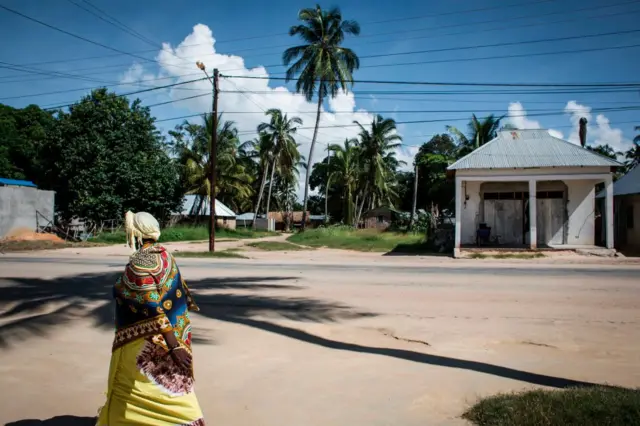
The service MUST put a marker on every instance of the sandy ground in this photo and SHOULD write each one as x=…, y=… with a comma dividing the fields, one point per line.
x=289, y=340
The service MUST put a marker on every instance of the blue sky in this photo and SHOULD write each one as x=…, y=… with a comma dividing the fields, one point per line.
x=252, y=33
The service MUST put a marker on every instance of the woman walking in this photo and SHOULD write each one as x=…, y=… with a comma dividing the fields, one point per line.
x=151, y=371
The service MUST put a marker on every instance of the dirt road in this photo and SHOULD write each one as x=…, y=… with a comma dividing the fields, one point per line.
x=327, y=343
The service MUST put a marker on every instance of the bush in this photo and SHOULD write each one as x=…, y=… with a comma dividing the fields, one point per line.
x=348, y=238
x=593, y=406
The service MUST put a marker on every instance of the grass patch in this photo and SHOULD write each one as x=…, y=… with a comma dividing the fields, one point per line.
x=33, y=245
x=225, y=254
x=507, y=256
x=185, y=233
x=347, y=238
x=579, y=406
x=276, y=246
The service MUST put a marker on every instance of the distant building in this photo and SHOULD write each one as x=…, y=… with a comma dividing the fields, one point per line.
x=196, y=208
x=24, y=207
x=626, y=195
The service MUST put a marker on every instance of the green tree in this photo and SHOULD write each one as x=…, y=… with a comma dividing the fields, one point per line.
x=108, y=158
x=378, y=162
x=633, y=154
x=344, y=172
x=432, y=160
x=479, y=133
x=262, y=153
x=25, y=136
x=192, y=145
x=285, y=155
x=321, y=65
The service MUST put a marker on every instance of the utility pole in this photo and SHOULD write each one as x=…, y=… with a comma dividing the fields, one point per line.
x=213, y=157
x=415, y=198
x=326, y=195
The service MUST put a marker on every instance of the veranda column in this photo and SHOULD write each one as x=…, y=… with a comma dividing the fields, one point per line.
x=533, y=220
x=609, y=212
x=458, y=228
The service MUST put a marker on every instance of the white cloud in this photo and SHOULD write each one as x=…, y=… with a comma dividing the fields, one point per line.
x=246, y=110
x=600, y=134
x=517, y=116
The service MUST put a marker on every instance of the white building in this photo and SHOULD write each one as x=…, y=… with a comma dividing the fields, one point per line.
x=532, y=190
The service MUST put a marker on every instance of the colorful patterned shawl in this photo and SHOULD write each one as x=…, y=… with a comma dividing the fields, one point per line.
x=152, y=298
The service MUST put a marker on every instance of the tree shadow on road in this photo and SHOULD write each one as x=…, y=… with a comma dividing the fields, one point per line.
x=57, y=421
x=34, y=306
x=87, y=297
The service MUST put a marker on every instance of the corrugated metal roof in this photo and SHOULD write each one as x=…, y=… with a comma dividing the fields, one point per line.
x=221, y=209
x=16, y=182
x=530, y=148
x=245, y=216
x=628, y=184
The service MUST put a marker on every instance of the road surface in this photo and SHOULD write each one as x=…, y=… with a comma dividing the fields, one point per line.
x=285, y=343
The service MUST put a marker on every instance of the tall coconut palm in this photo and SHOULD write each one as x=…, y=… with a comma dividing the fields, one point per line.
x=480, y=132
x=262, y=153
x=285, y=154
x=344, y=171
x=321, y=65
x=378, y=145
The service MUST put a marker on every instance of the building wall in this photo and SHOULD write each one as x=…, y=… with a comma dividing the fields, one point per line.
x=580, y=225
x=18, y=207
x=632, y=234
x=581, y=212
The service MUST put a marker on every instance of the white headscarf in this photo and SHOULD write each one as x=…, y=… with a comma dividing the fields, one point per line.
x=146, y=226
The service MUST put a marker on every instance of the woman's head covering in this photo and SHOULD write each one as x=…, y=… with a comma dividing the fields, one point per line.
x=147, y=226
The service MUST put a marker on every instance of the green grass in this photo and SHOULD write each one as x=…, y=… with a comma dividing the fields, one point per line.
x=507, y=256
x=225, y=254
x=185, y=233
x=17, y=246
x=368, y=240
x=276, y=246
x=579, y=406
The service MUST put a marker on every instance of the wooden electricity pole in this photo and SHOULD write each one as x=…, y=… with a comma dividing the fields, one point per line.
x=213, y=163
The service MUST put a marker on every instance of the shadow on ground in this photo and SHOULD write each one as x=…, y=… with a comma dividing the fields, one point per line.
x=417, y=249
x=57, y=421
x=36, y=306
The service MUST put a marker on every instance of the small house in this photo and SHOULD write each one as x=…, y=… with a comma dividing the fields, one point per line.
x=526, y=188
x=626, y=196
x=196, y=208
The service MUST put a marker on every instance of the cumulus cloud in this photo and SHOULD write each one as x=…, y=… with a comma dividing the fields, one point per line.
x=600, y=134
x=517, y=116
x=247, y=109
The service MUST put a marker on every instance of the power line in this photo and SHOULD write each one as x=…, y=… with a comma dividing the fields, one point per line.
x=79, y=37
x=432, y=83
x=137, y=92
x=573, y=11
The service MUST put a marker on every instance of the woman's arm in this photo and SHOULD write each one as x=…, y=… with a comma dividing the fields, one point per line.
x=179, y=354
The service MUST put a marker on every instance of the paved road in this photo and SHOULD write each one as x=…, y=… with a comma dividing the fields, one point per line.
x=356, y=345
x=555, y=270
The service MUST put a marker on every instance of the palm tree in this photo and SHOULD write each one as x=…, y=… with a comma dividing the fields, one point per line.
x=344, y=171
x=262, y=152
x=480, y=132
x=633, y=154
x=191, y=144
x=321, y=63
x=285, y=154
x=378, y=161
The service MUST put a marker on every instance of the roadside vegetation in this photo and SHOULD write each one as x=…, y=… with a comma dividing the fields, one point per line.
x=277, y=246
x=593, y=406
x=348, y=238
x=224, y=254
x=9, y=246
x=185, y=233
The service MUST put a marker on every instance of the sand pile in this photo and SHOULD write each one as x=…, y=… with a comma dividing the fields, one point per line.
x=26, y=234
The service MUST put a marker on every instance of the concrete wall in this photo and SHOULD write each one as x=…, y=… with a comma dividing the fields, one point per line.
x=18, y=206
x=580, y=226
x=581, y=212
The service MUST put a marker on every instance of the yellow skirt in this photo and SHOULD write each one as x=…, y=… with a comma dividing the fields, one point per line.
x=146, y=388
